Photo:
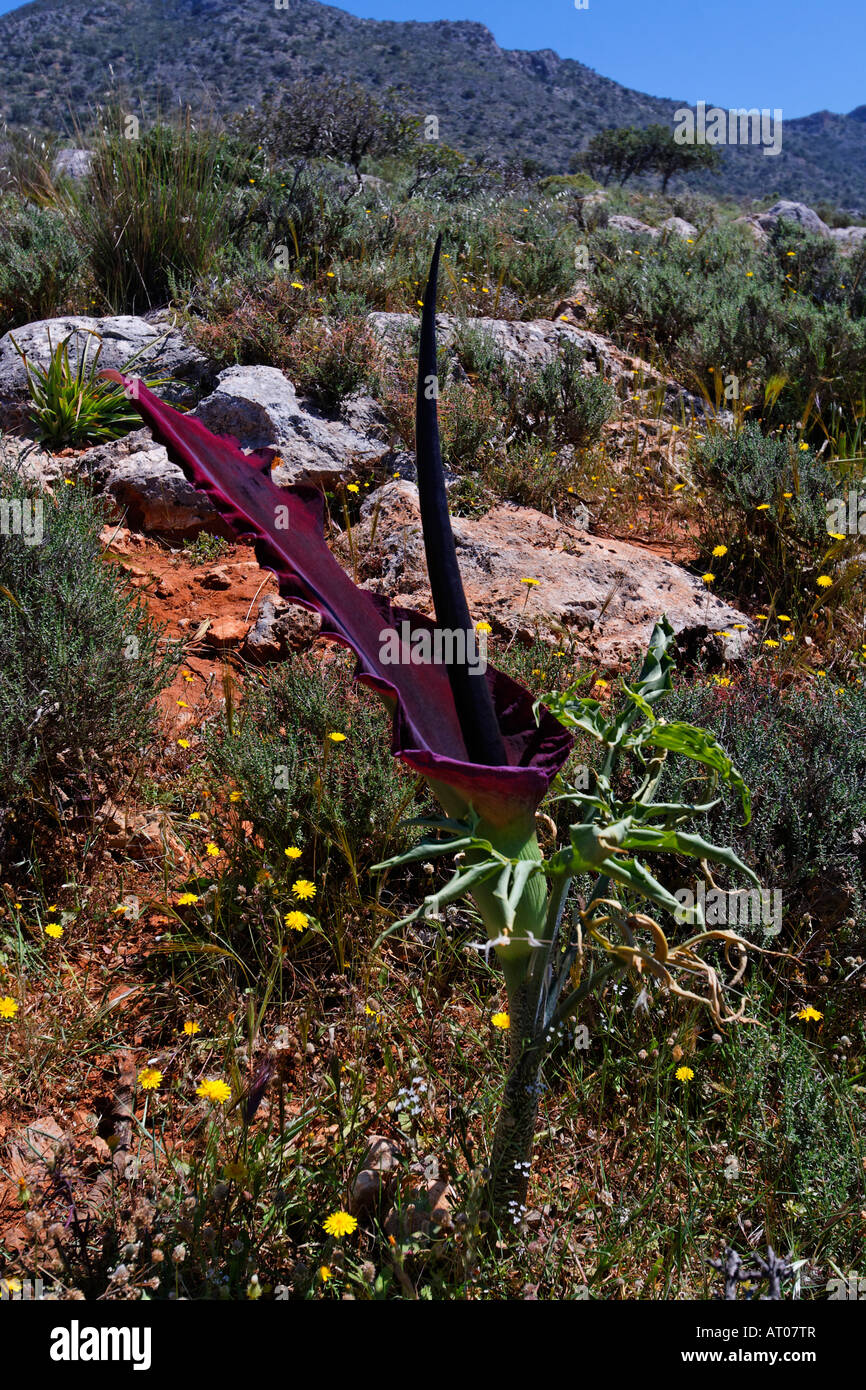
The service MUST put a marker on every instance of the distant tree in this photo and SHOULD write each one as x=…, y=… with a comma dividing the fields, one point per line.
x=327, y=118
x=615, y=153
x=665, y=157
x=623, y=152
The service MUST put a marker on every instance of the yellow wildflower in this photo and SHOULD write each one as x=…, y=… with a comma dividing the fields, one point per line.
x=214, y=1090
x=340, y=1223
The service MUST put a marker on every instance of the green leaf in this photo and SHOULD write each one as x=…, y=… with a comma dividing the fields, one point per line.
x=680, y=842
x=701, y=747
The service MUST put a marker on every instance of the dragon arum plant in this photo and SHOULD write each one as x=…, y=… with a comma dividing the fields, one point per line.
x=491, y=755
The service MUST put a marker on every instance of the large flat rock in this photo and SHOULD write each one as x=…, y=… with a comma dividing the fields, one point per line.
x=159, y=348
x=609, y=594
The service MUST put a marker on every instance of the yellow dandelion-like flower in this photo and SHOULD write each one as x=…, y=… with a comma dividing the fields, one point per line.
x=708, y=578
x=235, y=796
x=371, y=1013
x=684, y=1074
x=762, y=507
x=195, y=815
x=8, y=1008
x=183, y=743
x=719, y=551
x=292, y=852
x=678, y=486
x=501, y=1020
x=191, y=1028
x=183, y=704
x=296, y=285
x=337, y=738
x=762, y=617
x=186, y=899
x=770, y=642
x=340, y=1223
x=296, y=921
x=836, y=535
x=216, y=1091
x=788, y=637
x=304, y=889
x=530, y=583
x=823, y=581
x=483, y=627
x=722, y=680
x=810, y=1015
x=213, y=850
x=54, y=929
x=150, y=1078
x=352, y=487
x=803, y=447
x=783, y=617
x=820, y=673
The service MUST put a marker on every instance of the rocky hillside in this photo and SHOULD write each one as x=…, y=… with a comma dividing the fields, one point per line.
x=57, y=61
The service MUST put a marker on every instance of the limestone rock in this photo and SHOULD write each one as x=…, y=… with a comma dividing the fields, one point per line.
x=152, y=492
x=161, y=351
x=259, y=407
x=677, y=226
x=281, y=627
x=608, y=593
x=849, y=239
x=632, y=225
x=793, y=212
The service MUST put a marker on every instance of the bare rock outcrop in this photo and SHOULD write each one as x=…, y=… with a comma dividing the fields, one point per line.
x=607, y=593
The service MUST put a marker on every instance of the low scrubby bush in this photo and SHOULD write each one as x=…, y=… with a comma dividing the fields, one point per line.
x=80, y=661
x=42, y=268
x=803, y=754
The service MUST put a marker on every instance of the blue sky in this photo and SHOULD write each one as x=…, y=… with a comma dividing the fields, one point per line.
x=801, y=55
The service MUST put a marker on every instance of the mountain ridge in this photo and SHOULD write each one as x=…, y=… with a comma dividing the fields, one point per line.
x=61, y=58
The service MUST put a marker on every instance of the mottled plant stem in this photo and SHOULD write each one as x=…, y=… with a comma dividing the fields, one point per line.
x=515, y=1128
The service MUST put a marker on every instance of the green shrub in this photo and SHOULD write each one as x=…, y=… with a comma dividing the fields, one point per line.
x=765, y=499
x=341, y=803
x=154, y=210
x=787, y=321
x=794, y=1115
x=80, y=664
x=561, y=403
x=803, y=754
x=332, y=361
x=535, y=476
x=41, y=267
